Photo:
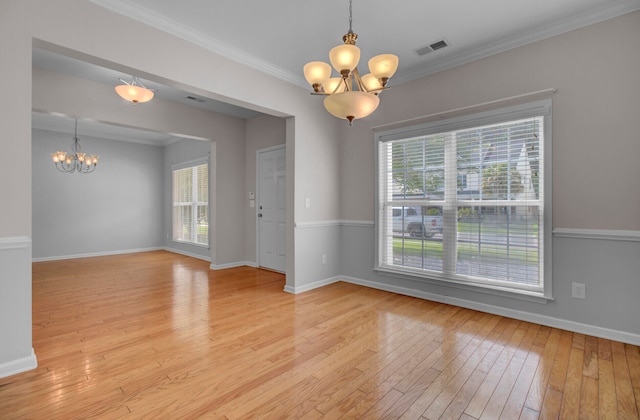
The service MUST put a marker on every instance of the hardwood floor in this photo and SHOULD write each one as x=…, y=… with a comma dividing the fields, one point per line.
x=159, y=335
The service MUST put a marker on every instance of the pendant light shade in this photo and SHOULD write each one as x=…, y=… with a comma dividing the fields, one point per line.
x=134, y=92
x=351, y=105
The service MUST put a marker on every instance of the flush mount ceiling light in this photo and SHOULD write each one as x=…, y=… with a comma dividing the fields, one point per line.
x=75, y=161
x=350, y=96
x=134, y=92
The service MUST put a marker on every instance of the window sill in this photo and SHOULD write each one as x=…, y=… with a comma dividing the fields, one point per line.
x=190, y=244
x=526, y=295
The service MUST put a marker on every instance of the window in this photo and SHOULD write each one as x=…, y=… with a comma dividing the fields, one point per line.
x=463, y=200
x=191, y=203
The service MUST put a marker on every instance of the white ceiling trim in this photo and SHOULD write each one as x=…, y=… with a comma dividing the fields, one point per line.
x=155, y=20
x=610, y=11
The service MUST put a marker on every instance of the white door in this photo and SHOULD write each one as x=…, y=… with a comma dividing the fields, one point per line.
x=270, y=208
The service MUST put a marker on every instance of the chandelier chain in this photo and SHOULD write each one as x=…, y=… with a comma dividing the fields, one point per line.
x=350, y=15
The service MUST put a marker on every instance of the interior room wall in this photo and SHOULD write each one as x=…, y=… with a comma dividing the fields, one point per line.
x=117, y=208
x=86, y=31
x=595, y=172
x=98, y=101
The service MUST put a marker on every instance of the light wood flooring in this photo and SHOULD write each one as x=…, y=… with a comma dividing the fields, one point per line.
x=158, y=335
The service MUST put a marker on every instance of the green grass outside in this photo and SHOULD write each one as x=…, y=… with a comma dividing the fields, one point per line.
x=433, y=249
x=470, y=227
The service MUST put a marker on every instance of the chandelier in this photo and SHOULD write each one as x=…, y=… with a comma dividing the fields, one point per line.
x=350, y=96
x=75, y=161
x=134, y=92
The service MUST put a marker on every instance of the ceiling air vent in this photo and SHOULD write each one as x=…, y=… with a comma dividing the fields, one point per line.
x=432, y=47
x=193, y=98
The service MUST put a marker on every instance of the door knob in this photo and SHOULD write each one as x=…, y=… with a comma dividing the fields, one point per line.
x=259, y=214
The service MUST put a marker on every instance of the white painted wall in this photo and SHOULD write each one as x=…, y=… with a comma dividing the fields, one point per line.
x=595, y=170
x=117, y=208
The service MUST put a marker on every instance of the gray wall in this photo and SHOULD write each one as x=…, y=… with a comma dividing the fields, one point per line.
x=170, y=60
x=226, y=134
x=325, y=161
x=595, y=171
x=114, y=209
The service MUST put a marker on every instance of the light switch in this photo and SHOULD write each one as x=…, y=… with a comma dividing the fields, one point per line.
x=307, y=202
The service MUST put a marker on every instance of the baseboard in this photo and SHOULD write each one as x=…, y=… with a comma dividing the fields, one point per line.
x=233, y=265
x=187, y=254
x=18, y=366
x=548, y=321
x=311, y=286
x=96, y=254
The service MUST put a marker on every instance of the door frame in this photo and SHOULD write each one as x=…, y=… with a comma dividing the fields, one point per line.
x=257, y=209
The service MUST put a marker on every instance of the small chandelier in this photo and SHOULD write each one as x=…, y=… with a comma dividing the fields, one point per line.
x=134, y=92
x=75, y=161
x=350, y=96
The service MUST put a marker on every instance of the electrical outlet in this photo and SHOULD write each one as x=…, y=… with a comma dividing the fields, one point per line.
x=307, y=202
x=324, y=258
x=578, y=290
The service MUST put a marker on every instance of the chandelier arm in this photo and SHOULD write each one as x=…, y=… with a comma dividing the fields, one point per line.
x=347, y=84
x=358, y=79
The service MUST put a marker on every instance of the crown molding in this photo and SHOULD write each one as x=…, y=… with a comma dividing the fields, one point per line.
x=162, y=23
x=590, y=17
x=157, y=21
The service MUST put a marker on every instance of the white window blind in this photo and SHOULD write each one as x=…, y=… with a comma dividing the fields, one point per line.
x=464, y=200
x=191, y=204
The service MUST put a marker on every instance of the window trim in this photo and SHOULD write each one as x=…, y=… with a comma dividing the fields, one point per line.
x=185, y=165
x=459, y=122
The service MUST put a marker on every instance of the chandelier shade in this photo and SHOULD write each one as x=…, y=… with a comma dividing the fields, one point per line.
x=317, y=73
x=134, y=92
x=344, y=58
x=383, y=66
x=371, y=83
x=334, y=85
x=350, y=96
x=351, y=104
x=76, y=161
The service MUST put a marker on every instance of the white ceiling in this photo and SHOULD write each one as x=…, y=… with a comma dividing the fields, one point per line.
x=280, y=36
